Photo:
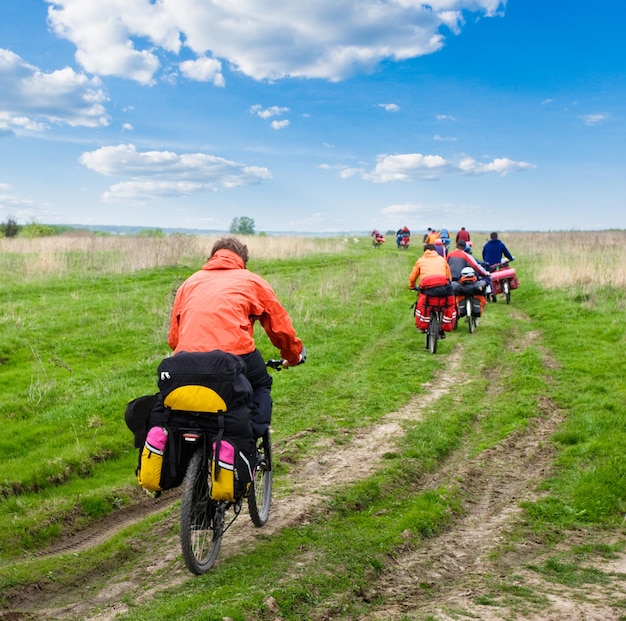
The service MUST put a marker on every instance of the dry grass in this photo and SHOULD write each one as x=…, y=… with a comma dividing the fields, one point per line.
x=61, y=255
x=562, y=259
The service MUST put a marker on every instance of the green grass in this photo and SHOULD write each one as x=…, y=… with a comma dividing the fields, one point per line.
x=74, y=351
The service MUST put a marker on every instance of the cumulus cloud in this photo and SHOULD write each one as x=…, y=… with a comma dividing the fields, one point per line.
x=204, y=70
x=31, y=99
x=323, y=39
x=165, y=173
x=416, y=166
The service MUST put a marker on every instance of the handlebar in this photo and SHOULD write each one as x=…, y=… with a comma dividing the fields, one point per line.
x=496, y=266
x=279, y=363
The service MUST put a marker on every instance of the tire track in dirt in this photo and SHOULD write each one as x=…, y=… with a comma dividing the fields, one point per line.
x=442, y=579
x=330, y=465
x=446, y=568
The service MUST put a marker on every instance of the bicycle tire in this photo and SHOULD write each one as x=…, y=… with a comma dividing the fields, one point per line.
x=260, y=493
x=469, y=315
x=433, y=331
x=201, y=517
x=506, y=289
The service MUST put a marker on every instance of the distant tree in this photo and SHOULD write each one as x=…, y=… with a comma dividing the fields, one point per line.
x=9, y=228
x=242, y=226
x=36, y=229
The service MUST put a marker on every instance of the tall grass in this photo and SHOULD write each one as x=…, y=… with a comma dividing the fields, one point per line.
x=94, y=254
x=562, y=259
x=554, y=259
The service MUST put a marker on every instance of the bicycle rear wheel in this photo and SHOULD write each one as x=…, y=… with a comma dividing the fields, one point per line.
x=471, y=322
x=260, y=494
x=434, y=326
x=506, y=289
x=201, y=517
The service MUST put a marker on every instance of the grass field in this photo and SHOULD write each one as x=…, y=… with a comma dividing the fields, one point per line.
x=84, y=324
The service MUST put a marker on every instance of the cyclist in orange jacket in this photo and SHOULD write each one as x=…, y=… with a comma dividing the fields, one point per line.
x=216, y=308
x=431, y=263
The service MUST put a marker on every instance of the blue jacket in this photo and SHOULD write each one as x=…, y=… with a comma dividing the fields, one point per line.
x=493, y=251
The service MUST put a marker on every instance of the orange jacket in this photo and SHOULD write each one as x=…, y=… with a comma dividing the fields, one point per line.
x=216, y=308
x=432, y=237
x=431, y=263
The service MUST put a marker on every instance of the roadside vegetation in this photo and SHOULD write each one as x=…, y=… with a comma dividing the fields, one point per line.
x=84, y=322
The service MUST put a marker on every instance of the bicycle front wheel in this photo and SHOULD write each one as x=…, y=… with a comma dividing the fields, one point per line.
x=201, y=517
x=260, y=494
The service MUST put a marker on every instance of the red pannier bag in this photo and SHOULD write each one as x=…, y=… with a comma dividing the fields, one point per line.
x=435, y=291
x=503, y=274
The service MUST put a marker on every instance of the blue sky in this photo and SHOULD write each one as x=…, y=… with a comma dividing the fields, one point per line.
x=325, y=116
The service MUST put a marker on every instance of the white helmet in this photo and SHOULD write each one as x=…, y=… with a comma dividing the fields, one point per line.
x=468, y=272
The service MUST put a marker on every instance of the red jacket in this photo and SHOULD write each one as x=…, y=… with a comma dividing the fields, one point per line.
x=216, y=308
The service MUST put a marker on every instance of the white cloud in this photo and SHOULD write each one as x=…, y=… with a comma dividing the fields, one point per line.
x=390, y=107
x=323, y=39
x=31, y=99
x=416, y=166
x=594, y=119
x=165, y=173
x=267, y=113
x=280, y=124
x=407, y=167
x=204, y=70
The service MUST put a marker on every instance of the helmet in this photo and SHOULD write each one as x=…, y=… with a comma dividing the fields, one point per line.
x=468, y=275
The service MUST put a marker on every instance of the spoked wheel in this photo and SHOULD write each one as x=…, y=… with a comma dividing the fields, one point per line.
x=432, y=336
x=507, y=291
x=471, y=321
x=260, y=494
x=201, y=517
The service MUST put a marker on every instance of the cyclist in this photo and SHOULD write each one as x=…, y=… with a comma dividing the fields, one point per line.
x=463, y=235
x=430, y=264
x=216, y=308
x=494, y=249
x=459, y=259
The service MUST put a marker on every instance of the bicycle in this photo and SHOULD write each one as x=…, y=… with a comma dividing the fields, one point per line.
x=472, y=320
x=503, y=280
x=204, y=520
x=434, y=328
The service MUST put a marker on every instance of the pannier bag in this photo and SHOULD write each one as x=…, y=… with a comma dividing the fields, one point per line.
x=231, y=472
x=212, y=381
x=435, y=291
x=504, y=274
x=150, y=470
x=136, y=416
x=478, y=303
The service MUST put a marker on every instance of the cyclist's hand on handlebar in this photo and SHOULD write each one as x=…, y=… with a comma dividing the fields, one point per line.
x=301, y=359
